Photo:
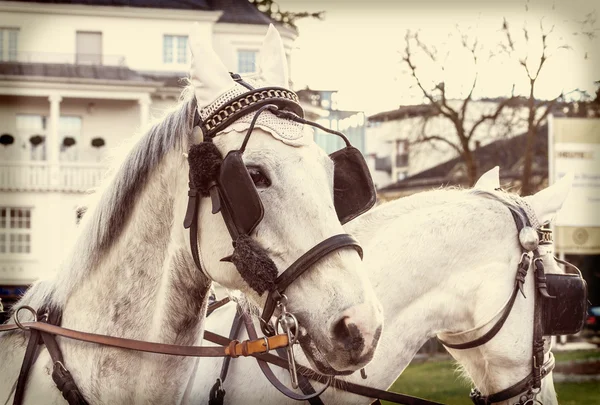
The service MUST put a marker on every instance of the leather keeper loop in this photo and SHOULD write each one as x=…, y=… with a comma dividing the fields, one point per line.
x=231, y=349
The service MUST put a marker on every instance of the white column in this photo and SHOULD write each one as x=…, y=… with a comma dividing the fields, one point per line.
x=144, y=102
x=52, y=141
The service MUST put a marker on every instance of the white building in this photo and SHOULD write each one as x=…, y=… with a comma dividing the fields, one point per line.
x=392, y=137
x=75, y=76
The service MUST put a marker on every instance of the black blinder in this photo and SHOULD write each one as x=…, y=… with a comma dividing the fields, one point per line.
x=353, y=189
x=566, y=313
x=239, y=195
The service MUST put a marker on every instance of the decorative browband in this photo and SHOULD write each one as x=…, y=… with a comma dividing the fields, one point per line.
x=545, y=236
x=248, y=102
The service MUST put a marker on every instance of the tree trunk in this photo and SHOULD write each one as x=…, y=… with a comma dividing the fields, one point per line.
x=529, y=145
x=471, y=165
x=468, y=156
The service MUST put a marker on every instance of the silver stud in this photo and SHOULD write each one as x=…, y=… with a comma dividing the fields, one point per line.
x=529, y=238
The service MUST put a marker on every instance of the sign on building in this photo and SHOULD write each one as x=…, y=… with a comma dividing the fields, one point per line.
x=574, y=147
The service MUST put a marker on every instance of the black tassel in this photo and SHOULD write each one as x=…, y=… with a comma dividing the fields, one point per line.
x=205, y=162
x=254, y=265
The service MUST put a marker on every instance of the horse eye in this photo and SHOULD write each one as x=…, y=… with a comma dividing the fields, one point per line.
x=258, y=177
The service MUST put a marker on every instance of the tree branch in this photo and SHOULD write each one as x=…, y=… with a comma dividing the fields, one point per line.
x=491, y=117
x=429, y=138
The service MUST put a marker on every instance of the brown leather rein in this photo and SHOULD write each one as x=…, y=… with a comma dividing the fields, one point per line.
x=47, y=328
x=234, y=349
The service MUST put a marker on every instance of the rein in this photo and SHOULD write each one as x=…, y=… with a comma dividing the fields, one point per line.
x=217, y=393
x=47, y=328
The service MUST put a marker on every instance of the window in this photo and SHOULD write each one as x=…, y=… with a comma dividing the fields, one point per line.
x=69, y=131
x=175, y=49
x=8, y=44
x=29, y=127
x=401, y=153
x=15, y=230
x=89, y=48
x=246, y=61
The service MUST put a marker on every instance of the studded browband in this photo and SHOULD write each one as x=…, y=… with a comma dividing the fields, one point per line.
x=249, y=102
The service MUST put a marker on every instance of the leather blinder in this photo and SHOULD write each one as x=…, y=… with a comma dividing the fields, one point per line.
x=566, y=313
x=239, y=195
x=353, y=189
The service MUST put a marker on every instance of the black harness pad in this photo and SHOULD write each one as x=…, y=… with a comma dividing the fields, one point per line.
x=353, y=189
x=565, y=314
x=239, y=196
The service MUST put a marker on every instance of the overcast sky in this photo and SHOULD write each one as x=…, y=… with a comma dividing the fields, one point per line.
x=357, y=48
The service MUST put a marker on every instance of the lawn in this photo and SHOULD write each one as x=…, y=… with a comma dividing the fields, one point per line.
x=439, y=381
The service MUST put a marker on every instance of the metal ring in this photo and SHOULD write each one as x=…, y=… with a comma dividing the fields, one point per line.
x=295, y=338
x=282, y=301
x=18, y=321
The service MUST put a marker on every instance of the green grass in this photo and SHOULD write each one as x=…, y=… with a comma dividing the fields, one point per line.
x=438, y=381
x=576, y=355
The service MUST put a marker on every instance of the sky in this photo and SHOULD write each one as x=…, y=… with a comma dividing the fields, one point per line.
x=357, y=48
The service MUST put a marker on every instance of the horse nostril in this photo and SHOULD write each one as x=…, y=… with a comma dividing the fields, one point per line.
x=349, y=335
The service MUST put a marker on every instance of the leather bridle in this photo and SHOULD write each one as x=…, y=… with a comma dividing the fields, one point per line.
x=529, y=387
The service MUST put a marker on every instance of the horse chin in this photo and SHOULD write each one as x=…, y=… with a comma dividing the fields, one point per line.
x=316, y=359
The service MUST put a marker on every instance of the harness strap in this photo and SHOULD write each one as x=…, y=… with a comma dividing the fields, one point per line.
x=522, y=386
x=338, y=384
x=217, y=393
x=264, y=367
x=29, y=358
x=60, y=375
x=486, y=337
x=302, y=264
x=234, y=348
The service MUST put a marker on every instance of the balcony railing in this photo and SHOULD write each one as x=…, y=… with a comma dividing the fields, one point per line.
x=41, y=176
x=66, y=58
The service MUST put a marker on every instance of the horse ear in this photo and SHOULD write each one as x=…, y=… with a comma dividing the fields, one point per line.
x=549, y=201
x=489, y=180
x=208, y=74
x=272, y=65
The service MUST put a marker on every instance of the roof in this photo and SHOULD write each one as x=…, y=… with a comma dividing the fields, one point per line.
x=506, y=153
x=402, y=112
x=234, y=11
x=72, y=71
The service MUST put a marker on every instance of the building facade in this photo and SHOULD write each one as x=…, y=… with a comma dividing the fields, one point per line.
x=350, y=123
x=395, y=144
x=77, y=79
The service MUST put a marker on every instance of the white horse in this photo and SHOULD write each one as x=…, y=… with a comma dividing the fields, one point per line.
x=130, y=272
x=442, y=261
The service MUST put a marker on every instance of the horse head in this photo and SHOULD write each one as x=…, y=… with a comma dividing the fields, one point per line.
x=283, y=210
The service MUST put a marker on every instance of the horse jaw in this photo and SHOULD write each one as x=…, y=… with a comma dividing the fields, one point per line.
x=490, y=180
x=208, y=73
x=273, y=67
x=546, y=203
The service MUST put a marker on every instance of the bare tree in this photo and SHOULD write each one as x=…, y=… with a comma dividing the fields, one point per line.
x=271, y=9
x=463, y=140
x=537, y=111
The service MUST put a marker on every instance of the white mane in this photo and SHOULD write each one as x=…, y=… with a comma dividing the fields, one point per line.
x=110, y=205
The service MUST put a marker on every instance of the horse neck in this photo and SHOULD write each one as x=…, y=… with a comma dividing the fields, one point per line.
x=145, y=287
